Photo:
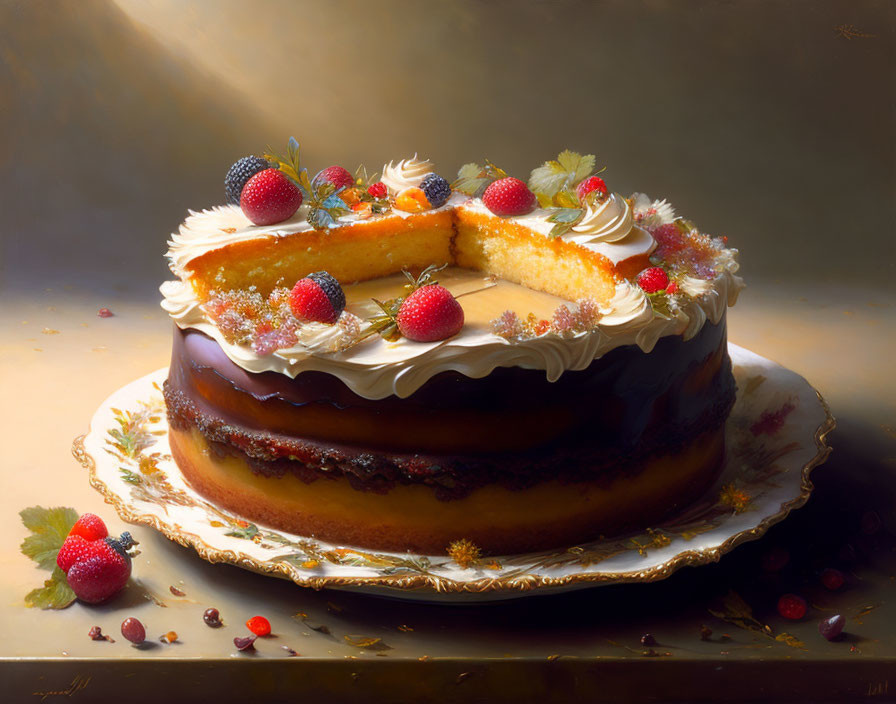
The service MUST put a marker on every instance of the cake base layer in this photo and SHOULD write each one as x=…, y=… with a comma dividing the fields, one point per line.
x=497, y=519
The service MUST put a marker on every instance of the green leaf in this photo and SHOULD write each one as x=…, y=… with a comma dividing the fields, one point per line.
x=49, y=528
x=55, y=594
x=561, y=228
x=563, y=173
x=567, y=199
x=472, y=179
x=565, y=215
x=334, y=202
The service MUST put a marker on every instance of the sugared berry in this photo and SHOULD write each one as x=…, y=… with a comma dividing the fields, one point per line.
x=259, y=625
x=672, y=288
x=508, y=197
x=317, y=297
x=270, y=197
x=648, y=640
x=239, y=174
x=436, y=189
x=212, y=617
x=590, y=184
x=832, y=627
x=90, y=527
x=338, y=176
x=653, y=279
x=412, y=200
x=378, y=189
x=133, y=630
x=792, y=607
x=429, y=314
x=832, y=579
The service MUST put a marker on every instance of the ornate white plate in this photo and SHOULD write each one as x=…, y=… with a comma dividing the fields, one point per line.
x=776, y=435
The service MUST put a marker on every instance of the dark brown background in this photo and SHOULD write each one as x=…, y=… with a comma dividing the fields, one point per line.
x=760, y=120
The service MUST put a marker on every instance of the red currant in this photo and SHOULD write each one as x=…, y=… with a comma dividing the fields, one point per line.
x=259, y=625
x=832, y=579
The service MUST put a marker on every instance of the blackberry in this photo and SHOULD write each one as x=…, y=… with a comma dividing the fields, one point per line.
x=241, y=172
x=436, y=189
x=331, y=287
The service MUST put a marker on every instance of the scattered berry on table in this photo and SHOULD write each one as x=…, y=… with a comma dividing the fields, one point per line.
x=133, y=630
x=653, y=280
x=590, y=184
x=832, y=627
x=245, y=643
x=832, y=578
x=648, y=640
x=429, y=314
x=378, y=189
x=412, y=200
x=169, y=637
x=792, y=607
x=259, y=625
x=775, y=559
x=509, y=196
x=212, y=618
x=317, y=297
x=102, y=570
x=338, y=176
x=239, y=174
x=104, y=313
x=436, y=189
x=270, y=197
x=96, y=633
x=90, y=527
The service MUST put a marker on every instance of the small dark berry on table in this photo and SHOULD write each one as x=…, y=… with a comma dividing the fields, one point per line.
x=133, y=630
x=832, y=579
x=246, y=643
x=832, y=627
x=792, y=607
x=775, y=559
x=212, y=618
x=648, y=639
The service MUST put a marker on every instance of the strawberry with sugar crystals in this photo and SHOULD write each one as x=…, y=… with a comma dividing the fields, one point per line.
x=270, y=197
x=509, y=196
x=430, y=314
x=338, y=176
x=74, y=548
x=653, y=280
x=90, y=527
x=378, y=189
x=590, y=184
x=102, y=570
x=318, y=297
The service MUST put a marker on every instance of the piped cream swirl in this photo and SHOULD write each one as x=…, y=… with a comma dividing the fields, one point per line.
x=628, y=309
x=406, y=173
x=609, y=221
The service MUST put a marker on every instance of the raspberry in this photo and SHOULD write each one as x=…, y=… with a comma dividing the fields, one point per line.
x=437, y=190
x=792, y=607
x=592, y=183
x=269, y=197
x=259, y=625
x=74, y=549
x=378, y=189
x=669, y=240
x=672, y=288
x=429, y=314
x=339, y=177
x=239, y=174
x=317, y=297
x=89, y=527
x=509, y=196
x=653, y=279
x=412, y=200
x=101, y=572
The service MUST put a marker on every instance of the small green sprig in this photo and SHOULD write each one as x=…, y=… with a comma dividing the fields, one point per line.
x=472, y=179
x=363, y=181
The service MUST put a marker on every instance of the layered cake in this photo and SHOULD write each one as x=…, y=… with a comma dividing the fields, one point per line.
x=401, y=362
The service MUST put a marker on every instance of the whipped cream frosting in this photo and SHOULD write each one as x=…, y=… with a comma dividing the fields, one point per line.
x=406, y=173
x=609, y=221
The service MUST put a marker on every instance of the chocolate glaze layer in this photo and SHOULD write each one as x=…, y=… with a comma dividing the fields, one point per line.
x=600, y=421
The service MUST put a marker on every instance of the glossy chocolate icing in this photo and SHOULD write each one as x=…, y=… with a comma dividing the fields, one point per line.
x=626, y=406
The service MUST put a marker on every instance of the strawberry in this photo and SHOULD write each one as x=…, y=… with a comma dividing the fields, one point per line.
x=317, y=297
x=509, y=196
x=429, y=314
x=90, y=527
x=75, y=548
x=378, y=189
x=339, y=177
x=653, y=279
x=259, y=625
x=592, y=183
x=269, y=197
x=101, y=570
